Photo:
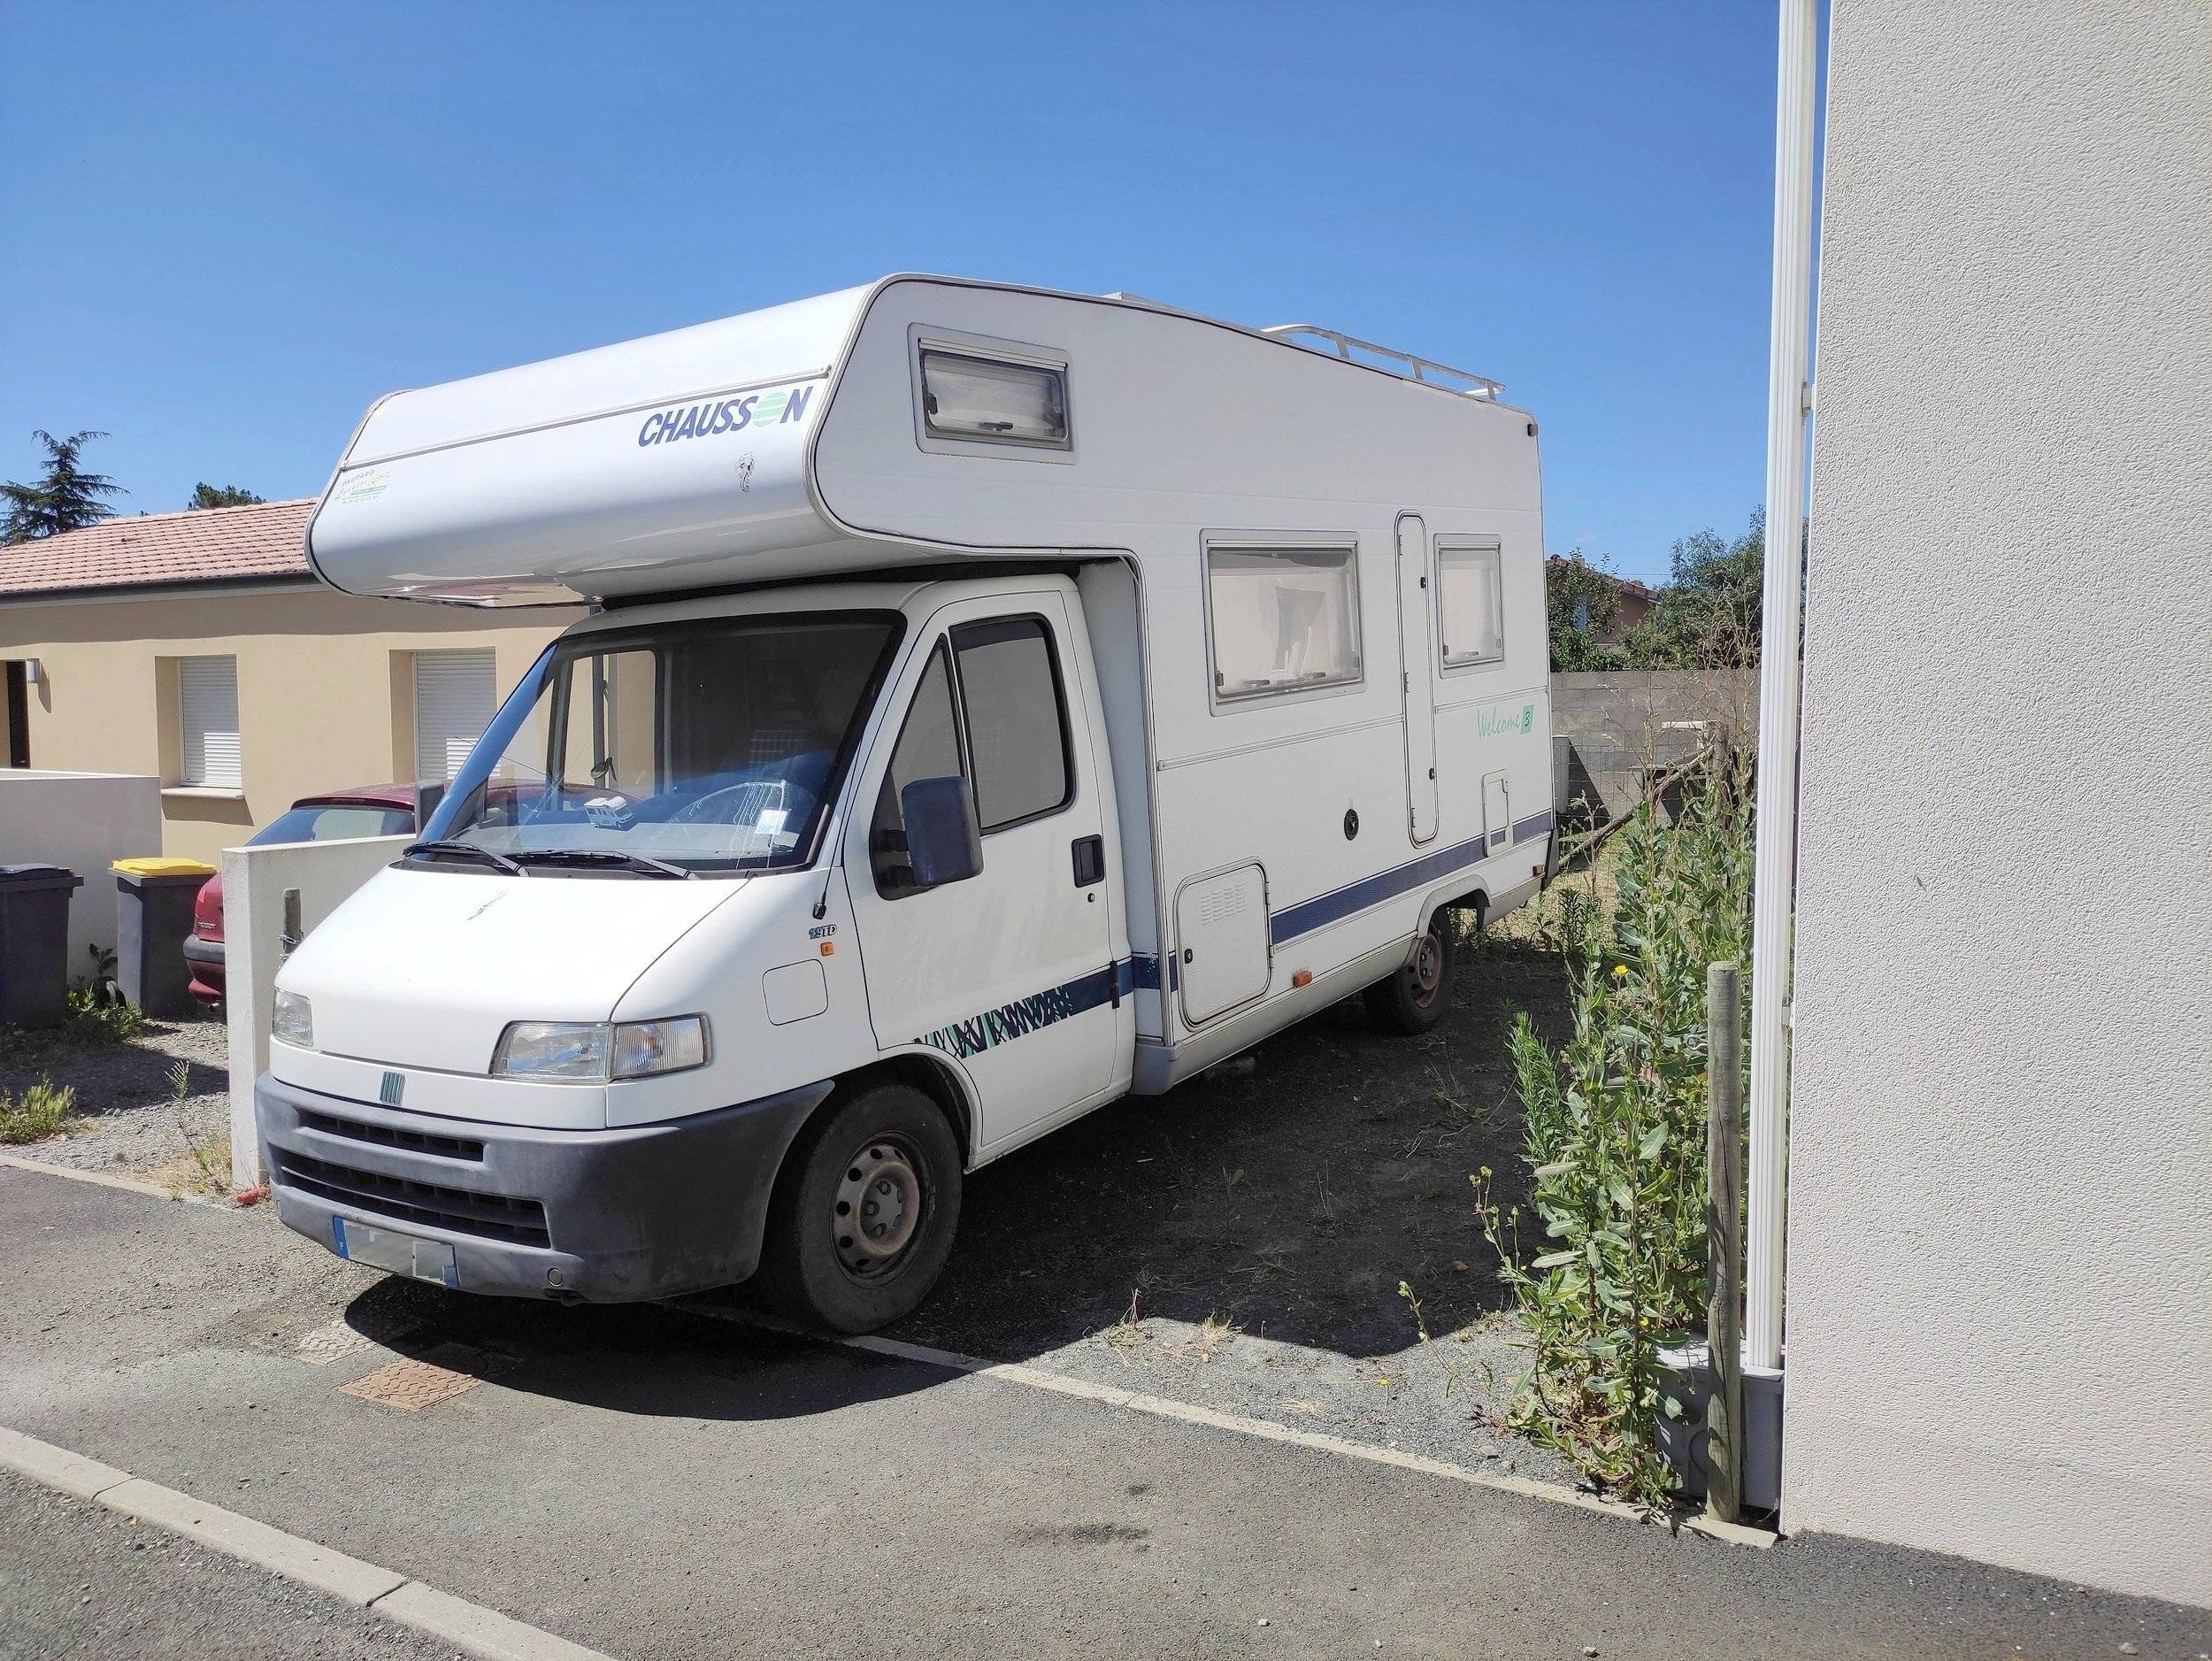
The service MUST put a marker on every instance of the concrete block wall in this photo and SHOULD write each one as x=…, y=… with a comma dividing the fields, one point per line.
x=1618, y=725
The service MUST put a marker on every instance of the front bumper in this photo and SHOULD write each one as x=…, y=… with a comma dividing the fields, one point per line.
x=604, y=1216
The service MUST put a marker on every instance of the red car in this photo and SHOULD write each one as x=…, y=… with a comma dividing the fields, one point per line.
x=376, y=810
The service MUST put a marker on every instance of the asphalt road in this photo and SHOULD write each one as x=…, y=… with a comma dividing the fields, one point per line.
x=78, y=1581
x=656, y=1483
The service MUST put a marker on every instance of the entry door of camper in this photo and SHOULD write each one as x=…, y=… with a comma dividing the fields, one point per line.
x=1009, y=972
x=1417, y=681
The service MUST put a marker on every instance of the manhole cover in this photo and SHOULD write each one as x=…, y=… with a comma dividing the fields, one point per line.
x=333, y=1341
x=411, y=1386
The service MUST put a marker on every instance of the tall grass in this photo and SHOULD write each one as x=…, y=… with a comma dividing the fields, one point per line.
x=1616, y=1134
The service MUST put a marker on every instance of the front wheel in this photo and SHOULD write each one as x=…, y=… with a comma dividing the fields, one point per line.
x=865, y=1212
x=1414, y=998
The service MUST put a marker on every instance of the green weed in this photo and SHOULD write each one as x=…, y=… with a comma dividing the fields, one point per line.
x=1615, y=1136
x=42, y=1111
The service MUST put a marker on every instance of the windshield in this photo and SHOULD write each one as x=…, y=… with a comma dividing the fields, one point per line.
x=712, y=746
x=333, y=820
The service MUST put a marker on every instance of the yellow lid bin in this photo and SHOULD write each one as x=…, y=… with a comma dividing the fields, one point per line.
x=158, y=865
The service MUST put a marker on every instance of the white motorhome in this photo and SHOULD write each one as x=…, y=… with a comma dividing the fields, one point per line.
x=999, y=701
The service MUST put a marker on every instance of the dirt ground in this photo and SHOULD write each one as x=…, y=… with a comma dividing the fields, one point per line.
x=1287, y=1198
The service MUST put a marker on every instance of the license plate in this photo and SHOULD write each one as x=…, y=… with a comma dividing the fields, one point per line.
x=420, y=1259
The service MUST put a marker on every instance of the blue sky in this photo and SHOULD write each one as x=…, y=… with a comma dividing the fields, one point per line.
x=230, y=227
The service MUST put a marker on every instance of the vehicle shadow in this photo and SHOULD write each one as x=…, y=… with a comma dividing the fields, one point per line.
x=1287, y=1195
x=652, y=1360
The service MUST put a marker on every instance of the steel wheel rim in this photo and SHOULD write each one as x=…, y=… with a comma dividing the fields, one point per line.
x=877, y=1211
x=1425, y=973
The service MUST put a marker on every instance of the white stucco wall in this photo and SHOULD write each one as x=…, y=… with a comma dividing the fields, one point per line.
x=253, y=884
x=1999, y=1286
x=83, y=822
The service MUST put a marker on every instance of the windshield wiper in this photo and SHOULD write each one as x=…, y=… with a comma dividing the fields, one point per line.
x=467, y=851
x=601, y=856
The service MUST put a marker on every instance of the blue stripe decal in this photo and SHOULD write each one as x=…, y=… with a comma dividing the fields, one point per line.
x=1010, y=1022
x=1023, y=1016
x=1318, y=913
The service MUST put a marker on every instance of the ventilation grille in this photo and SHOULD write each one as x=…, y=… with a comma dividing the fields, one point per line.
x=491, y=1216
x=383, y=1137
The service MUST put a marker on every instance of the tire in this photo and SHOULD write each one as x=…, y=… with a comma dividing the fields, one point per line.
x=1413, y=999
x=886, y=1145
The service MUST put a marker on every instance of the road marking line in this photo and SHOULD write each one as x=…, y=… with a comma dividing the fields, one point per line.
x=99, y=1179
x=469, y=1627
x=1267, y=1430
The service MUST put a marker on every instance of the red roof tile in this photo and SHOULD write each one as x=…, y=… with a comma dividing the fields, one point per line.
x=203, y=545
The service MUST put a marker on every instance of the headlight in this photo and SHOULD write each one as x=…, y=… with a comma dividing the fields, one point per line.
x=292, y=1021
x=594, y=1052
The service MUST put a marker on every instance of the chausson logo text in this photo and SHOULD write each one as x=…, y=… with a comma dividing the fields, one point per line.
x=727, y=415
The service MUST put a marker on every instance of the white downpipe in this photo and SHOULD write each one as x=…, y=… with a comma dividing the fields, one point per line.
x=1775, y=883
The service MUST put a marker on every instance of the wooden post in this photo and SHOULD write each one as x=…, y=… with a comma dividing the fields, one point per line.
x=1724, y=1239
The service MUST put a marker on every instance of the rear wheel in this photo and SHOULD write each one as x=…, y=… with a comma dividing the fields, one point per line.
x=1415, y=998
x=865, y=1212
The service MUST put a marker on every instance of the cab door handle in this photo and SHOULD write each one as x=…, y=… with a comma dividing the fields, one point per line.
x=1090, y=854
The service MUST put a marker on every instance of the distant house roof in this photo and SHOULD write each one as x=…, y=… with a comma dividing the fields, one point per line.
x=215, y=545
x=1628, y=586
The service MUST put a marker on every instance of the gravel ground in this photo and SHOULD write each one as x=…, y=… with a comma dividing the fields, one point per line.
x=127, y=1122
x=78, y=1581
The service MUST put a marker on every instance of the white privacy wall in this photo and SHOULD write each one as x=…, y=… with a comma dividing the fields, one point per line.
x=82, y=822
x=2000, y=1319
x=255, y=882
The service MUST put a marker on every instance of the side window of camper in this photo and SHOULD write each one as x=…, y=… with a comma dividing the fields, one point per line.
x=1282, y=619
x=1018, y=737
x=929, y=747
x=1470, y=610
x=974, y=399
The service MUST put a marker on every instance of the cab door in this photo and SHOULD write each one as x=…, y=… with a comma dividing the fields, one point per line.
x=1010, y=973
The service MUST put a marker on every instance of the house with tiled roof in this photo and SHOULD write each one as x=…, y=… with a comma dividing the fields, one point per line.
x=199, y=648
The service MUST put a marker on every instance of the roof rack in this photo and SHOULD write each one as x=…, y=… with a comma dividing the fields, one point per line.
x=1405, y=366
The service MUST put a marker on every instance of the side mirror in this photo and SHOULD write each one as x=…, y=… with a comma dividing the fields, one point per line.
x=942, y=841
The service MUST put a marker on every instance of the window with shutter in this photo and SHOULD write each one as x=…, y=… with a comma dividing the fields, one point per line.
x=208, y=751
x=455, y=694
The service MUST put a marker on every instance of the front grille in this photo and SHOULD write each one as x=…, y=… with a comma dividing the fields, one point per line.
x=493, y=1215
x=386, y=1136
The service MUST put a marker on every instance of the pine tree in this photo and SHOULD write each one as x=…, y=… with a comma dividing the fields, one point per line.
x=66, y=499
x=221, y=496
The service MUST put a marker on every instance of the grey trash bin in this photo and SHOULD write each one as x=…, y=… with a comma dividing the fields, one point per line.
x=35, y=943
x=153, y=916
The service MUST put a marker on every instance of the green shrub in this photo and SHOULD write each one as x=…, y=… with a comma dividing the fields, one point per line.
x=1614, y=1135
x=99, y=1022
x=39, y=1112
